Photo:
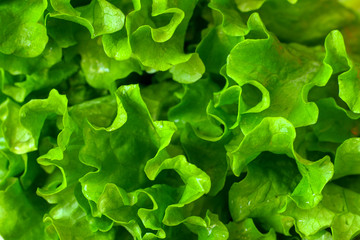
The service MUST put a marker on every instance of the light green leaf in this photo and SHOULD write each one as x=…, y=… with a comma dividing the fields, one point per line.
x=347, y=158
x=284, y=92
x=277, y=135
x=101, y=71
x=190, y=71
x=21, y=33
x=99, y=17
x=246, y=230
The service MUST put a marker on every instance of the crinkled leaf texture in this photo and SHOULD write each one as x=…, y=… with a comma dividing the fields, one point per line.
x=208, y=120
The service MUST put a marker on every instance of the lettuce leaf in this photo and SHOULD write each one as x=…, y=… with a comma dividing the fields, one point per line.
x=208, y=120
x=22, y=33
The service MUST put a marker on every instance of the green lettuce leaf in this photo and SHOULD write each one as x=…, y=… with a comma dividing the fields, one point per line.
x=269, y=77
x=338, y=210
x=192, y=109
x=341, y=63
x=67, y=220
x=264, y=192
x=21, y=76
x=306, y=21
x=154, y=34
x=147, y=119
x=247, y=230
x=21, y=213
x=209, y=156
x=250, y=5
x=11, y=166
x=99, y=16
x=101, y=71
x=277, y=136
x=334, y=123
x=22, y=125
x=218, y=40
x=21, y=33
x=230, y=18
x=132, y=114
x=346, y=159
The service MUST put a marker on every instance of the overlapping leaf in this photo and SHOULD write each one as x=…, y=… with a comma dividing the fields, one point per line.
x=179, y=119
